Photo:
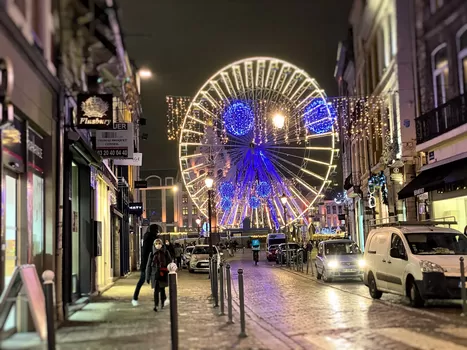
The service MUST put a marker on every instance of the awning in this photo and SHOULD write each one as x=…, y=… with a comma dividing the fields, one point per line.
x=435, y=178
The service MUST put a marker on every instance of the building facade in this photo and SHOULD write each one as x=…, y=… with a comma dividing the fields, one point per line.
x=379, y=126
x=441, y=57
x=29, y=125
x=66, y=201
x=100, y=239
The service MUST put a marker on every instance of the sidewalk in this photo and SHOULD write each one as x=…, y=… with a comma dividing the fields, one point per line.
x=111, y=322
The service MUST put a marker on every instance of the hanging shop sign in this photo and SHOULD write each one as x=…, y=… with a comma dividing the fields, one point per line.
x=141, y=184
x=35, y=151
x=116, y=143
x=135, y=208
x=136, y=161
x=95, y=111
x=13, y=145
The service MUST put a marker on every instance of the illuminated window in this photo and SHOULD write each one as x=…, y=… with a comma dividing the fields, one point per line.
x=185, y=210
x=462, y=57
x=440, y=65
x=194, y=210
x=185, y=200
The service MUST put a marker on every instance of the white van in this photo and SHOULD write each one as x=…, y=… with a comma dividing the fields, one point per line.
x=418, y=260
x=275, y=239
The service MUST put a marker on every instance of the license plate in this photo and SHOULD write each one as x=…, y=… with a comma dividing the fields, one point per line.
x=204, y=265
x=350, y=270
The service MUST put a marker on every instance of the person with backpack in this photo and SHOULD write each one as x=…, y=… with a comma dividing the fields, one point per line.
x=157, y=272
x=148, y=240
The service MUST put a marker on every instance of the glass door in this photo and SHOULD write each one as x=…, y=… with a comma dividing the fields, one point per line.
x=10, y=202
x=10, y=191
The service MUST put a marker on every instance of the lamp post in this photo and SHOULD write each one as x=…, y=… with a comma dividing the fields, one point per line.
x=209, y=182
x=198, y=222
x=284, y=202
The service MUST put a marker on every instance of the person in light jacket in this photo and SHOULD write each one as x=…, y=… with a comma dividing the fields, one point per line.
x=157, y=272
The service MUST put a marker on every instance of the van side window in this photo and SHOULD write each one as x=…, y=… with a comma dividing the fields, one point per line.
x=396, y=243
x=320, y=250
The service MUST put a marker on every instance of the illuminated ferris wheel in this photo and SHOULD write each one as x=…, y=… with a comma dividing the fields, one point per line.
x=262, y=129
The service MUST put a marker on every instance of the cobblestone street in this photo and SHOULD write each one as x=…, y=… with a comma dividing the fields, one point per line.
x=310, y=314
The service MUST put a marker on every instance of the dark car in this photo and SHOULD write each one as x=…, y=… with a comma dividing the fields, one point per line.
x=281, y=252
x=271, y=253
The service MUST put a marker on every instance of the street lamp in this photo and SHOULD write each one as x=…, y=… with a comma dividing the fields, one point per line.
x=198, y=222
x=145, y=73
x=209, y=182
x=284, y=203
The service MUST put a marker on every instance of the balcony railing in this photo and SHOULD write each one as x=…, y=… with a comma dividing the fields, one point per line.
x=442, y=119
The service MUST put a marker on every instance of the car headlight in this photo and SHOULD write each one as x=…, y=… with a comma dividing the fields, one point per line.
x=361, y=263
x=333, y=264
x=428, y=266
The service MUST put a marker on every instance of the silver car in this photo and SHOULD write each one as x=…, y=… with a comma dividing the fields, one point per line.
x=339, y=259
x=199, y=260
x=186, y=256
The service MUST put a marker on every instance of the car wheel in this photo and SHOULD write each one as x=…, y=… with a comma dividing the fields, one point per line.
x=318, y=275
x=374, y=292
x=190, y=270
x=326, y=278
x=416, y=299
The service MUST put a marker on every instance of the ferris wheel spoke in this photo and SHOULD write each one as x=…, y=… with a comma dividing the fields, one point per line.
x=211, y=99
x=317, y=176
x=228, y=84
x=220, y=93
x=196, y=179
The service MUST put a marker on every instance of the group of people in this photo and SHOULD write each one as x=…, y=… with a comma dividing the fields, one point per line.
x=155, y=258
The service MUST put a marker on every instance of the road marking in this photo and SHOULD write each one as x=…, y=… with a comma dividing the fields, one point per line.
x=457, y=332
x=330, y=343
x=418, y=340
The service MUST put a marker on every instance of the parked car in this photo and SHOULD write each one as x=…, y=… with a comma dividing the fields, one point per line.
x=199, y=260
x=271, y=253
x=186, y=256
x=339, y=259
x=281, y=252
x=420, y=261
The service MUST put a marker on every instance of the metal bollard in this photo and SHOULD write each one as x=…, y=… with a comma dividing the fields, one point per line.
x=173, y=305
x=463, y=292
x=48, y=277
x=222, y=296
x=241, y=295
x=229, y=293
x=215, y=283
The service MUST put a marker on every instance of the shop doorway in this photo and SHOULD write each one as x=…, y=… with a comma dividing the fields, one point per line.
x=10, y=203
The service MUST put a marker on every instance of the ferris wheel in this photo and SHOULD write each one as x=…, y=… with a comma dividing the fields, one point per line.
x=264, y=131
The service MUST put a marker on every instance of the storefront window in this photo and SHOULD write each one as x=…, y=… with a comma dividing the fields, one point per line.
x=456, y=207
x=37, y=215
x=10, y=226
x=75, y=227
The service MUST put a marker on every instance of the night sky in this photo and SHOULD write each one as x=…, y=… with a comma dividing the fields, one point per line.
x=184, y=42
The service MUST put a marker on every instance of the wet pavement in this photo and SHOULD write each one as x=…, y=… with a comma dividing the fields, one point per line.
x=285, y=309
x=310, y=314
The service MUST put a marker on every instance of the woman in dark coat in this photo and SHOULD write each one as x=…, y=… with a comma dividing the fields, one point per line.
x=157, y=272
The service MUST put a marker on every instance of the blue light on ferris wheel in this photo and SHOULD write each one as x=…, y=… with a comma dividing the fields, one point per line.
x=227, y=189
x=263, y=189
x=317, y=118
x=254, y=202
x=226, y=204
x=238, y=118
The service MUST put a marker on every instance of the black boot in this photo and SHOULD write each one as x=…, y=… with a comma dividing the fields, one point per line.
x=155, y=308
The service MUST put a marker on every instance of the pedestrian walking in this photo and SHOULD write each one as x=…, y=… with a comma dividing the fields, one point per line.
x=157, y=272
x=178, y=255
x=170, y=247
x=148, y=239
